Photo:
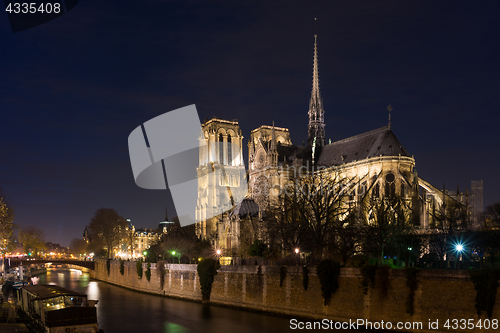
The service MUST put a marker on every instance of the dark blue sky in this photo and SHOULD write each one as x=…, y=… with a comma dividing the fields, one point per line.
x=73, y=89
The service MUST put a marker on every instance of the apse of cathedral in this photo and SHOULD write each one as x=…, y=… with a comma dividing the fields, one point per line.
x=376, y=161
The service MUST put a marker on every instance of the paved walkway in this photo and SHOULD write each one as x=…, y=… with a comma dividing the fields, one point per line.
x=13, y=328
x=8, y=318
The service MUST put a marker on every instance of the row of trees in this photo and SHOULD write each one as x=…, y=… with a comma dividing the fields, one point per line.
x=320, y=215
x=109, y=230
x=180, y=244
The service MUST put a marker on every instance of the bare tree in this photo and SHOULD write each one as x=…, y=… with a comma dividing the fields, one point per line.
x=107, y=225
x=284, y=222
x=33, y=239
x=348, y=235
x=488, y=239
x=387, y=221
x=179, y=242
x=77, y=246
x=309, y=211
x=7, y=238
x=450, y=224
x=130, y=238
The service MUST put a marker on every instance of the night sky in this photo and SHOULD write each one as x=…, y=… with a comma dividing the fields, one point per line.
x=73, y=89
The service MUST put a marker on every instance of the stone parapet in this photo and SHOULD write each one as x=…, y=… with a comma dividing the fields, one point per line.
x=441, y=294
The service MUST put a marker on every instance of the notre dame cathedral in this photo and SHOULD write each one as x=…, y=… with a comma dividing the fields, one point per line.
x=376, y=159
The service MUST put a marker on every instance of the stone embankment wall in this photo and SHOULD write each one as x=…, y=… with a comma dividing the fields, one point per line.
x=441, y=295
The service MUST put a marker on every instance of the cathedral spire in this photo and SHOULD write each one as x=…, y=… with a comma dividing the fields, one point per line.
x=316, y=112
x=273, y=139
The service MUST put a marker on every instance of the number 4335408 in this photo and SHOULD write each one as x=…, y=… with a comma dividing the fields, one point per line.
x=32, y=8
x=470, y=324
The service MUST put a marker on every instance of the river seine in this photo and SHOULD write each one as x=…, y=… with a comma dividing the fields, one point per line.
x=121, y=310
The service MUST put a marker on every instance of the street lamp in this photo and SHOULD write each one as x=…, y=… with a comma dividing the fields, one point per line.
x=297, y=250
x=459, y=248
x=176, y=254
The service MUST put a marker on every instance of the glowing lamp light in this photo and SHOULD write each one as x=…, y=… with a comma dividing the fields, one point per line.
x=459, y=247
x=297, y=251
x=173, y=253
x=218, y=251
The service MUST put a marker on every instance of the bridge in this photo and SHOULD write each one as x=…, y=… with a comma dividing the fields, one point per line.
x=14, y=262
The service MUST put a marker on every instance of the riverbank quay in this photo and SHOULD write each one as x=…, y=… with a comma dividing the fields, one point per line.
x=13, y=328
x=9, y=319
x=440, y=297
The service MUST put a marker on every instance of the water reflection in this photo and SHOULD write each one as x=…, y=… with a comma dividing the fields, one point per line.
x=205, y=311
x=174, y=328
x=92, y=291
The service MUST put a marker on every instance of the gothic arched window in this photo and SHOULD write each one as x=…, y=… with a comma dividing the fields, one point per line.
x=221, y=149
x=390, y=185
x=229, y=151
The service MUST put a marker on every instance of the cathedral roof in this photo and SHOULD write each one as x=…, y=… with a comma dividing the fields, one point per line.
x=246, y=207
x=300, y=152
x=379, y=142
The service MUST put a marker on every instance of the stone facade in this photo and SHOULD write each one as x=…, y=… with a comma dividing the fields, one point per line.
x=221, y=172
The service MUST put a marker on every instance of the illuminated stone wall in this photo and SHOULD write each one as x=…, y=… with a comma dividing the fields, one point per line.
x=441, y=295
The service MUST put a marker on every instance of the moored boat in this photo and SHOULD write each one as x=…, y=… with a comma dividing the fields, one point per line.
x=53, y=309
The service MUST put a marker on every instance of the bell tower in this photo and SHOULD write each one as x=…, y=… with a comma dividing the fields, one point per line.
x=221, y=173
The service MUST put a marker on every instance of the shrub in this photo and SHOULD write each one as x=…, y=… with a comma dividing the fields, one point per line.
x=207, y=270
x=368, y=277
x=148, y=272
x=282, y=275
x=412, y=283
x=122, y=267
x=108, y=265
x=305, y=277
x=384, y=280
x=138, y=267
x=160, y=269
x=328, y=272
x=485, y=283
x=357, y=261
x=258, y=249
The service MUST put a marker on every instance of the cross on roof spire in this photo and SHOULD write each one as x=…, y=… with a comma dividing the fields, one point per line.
x=390, y=109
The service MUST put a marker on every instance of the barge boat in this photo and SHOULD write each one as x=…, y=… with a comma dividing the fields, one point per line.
x=53, y=309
